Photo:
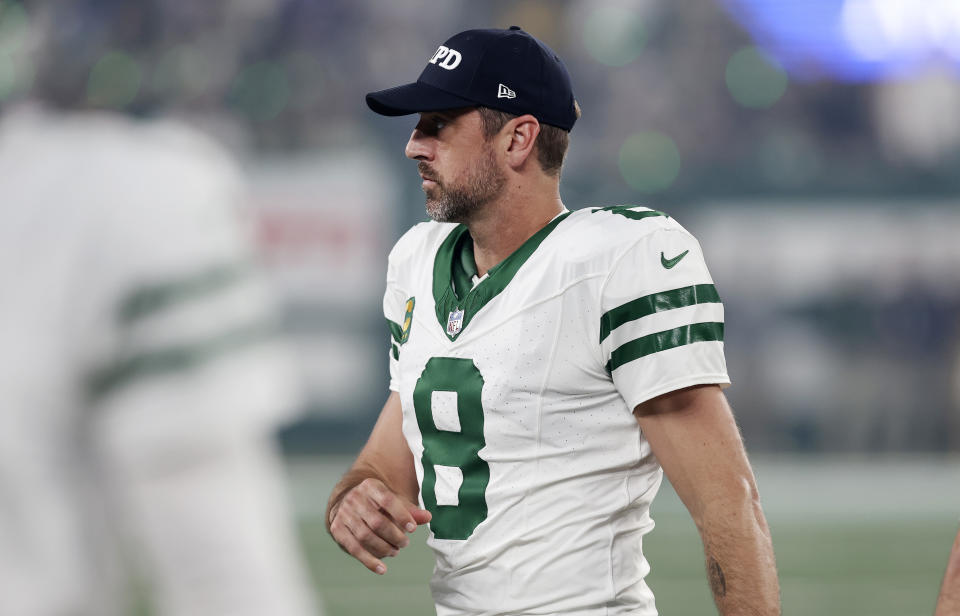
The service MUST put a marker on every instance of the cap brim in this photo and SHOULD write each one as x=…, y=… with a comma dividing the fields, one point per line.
x=414, y=98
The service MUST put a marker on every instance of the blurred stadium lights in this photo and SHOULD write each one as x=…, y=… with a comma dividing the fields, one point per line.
x=16, y=72
x=614, y=35
x=184, y=69
x=854, y=40
x=649, y=162
x=754, y=79
x=261, y=91
x=307, y=83
x=114, y=81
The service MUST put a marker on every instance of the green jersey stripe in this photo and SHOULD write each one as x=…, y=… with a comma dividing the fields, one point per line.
x=656, y=302
x=177, y=359
x=148, y=299
x=395, y=350
x=396, y=332
x=662, y=341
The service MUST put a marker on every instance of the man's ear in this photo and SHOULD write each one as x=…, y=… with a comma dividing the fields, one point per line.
x=522, y=132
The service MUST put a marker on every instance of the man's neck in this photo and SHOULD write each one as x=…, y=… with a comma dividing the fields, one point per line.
x=507, y=223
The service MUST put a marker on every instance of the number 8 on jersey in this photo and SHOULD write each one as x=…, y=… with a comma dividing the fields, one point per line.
x=449, y=413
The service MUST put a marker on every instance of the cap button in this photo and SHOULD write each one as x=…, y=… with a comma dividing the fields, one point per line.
x=516, y=28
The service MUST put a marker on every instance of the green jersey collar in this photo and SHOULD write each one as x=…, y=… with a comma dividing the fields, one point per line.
x=454, y=267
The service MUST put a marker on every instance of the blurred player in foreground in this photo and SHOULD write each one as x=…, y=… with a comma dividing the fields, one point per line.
x=949, y=602
x=545, y=366
x=140, y=381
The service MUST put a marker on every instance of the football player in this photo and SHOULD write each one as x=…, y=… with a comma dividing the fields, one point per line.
x=141, y=380
x=546, y=367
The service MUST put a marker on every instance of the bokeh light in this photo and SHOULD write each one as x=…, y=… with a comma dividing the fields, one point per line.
x=614, y=36
x=261, y=91
x=754, y=79
x=306, y=79
x=182, y=71
x=649, y=161
x=8, y=76
x=114, y=81
x=16, y=73
x=14, y=25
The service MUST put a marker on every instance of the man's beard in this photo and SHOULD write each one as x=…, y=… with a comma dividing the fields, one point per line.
x=459, y=203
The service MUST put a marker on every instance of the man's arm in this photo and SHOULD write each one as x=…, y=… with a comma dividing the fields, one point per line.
x=695, y=438
x=374, y=502
x=949, y=602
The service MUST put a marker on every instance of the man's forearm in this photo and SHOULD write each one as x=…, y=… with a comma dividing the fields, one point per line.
x=741, y=568
x=949, y=602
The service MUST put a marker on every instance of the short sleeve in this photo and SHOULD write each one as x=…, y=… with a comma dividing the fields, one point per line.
x=395, y=312
x=662, y=320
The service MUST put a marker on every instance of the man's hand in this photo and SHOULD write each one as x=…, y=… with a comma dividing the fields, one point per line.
x=372, y=507
x=370, y=523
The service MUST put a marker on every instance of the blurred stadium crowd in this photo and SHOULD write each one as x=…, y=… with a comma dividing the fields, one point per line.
x=813, y=147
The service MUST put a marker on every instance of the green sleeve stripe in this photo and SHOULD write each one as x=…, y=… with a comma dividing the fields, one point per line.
x=396, y=351
x=177, y=359
x=656, y=302
x=662, y=341
x=146, y=300
x=396, y=332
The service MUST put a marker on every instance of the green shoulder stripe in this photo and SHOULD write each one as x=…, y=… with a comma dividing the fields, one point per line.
x=628, y=211
x=656, y=302
x=662, y=341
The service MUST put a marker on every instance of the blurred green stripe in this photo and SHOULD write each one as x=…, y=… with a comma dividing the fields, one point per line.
x=177, y=359
x=152, y=298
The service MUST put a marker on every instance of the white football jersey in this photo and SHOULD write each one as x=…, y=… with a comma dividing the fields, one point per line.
x=139, y=382
x=517, y=398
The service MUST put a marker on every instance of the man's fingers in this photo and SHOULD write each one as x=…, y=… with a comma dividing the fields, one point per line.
x=363, y=502
x=420, y=516
x=396, y=508
x=370, y=520
x=367, y=537
x=353, y=547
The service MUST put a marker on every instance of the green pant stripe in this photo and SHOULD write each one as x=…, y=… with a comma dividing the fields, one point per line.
x=656, y=302
x=662, y=341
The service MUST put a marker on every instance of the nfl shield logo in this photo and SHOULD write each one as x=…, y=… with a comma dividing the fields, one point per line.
x=455, y=322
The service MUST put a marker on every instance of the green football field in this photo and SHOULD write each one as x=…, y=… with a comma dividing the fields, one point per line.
x=852, y=537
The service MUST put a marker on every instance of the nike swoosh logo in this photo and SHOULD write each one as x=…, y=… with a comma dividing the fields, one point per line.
x=668, y=263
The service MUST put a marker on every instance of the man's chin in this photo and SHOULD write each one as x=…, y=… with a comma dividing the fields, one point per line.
x=434, y=211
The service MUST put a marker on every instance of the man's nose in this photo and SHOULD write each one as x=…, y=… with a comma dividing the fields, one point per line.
x=418, y=146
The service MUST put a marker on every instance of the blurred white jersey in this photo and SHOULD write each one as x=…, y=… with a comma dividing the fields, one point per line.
x=517, y=394
x=138, y=377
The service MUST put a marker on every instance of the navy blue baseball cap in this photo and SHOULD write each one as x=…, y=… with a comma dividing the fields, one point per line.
x=508, y=70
